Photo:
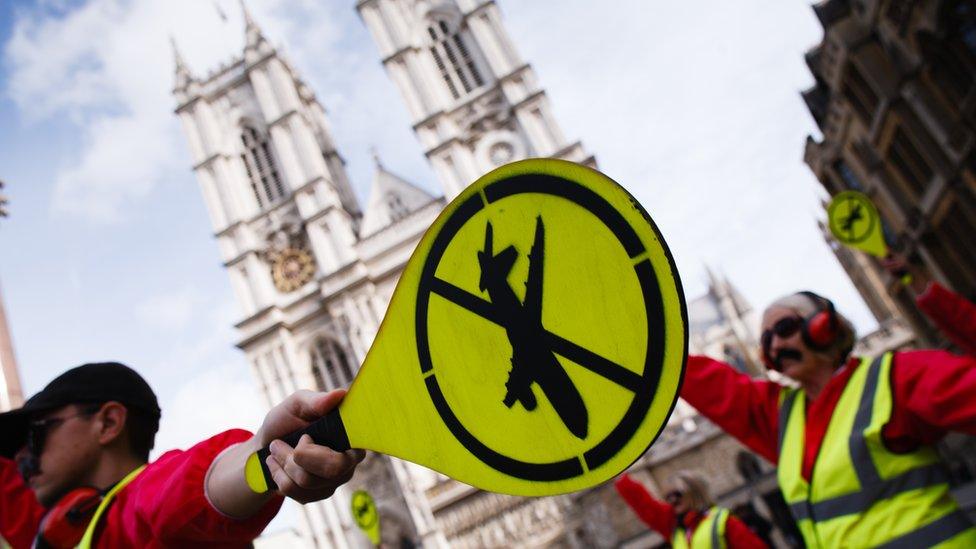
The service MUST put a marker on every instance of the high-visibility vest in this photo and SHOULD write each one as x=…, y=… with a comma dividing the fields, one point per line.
x=710, y=532
x=861, y=494
x=89, y=536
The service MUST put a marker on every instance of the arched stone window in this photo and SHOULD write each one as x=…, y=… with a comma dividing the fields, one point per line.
x=453, y=58
x=262, y=170
x=330, y=365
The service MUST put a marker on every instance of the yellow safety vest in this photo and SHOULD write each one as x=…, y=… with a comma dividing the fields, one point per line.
x=86, y=540
x=861, y=494
x=709, y=533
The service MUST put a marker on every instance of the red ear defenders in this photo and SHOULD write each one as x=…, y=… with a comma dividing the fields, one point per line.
x=819, y=330
x=66, y=521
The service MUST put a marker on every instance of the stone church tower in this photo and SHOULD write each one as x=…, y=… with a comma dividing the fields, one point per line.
x=311, y=271
x=474, y=102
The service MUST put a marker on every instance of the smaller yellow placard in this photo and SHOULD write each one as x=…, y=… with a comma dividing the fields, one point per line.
x=365, y=514
x=854, y=222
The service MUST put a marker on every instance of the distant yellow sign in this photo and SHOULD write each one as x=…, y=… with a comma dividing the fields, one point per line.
x=365, y=514
x=535, y=341
x=854, y=221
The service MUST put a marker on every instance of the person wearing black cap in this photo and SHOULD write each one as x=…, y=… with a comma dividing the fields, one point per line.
x=82, y=446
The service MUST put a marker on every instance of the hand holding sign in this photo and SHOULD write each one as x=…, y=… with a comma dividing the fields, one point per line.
x=854, y=222
x=534, y=344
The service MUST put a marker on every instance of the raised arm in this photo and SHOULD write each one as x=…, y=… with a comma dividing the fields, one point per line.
x=308, y=472
x=934, y=392
x=657, y=515
x=743, y=407
x=954, y=315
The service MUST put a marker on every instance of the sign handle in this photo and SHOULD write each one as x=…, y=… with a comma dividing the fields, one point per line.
x=326, y=431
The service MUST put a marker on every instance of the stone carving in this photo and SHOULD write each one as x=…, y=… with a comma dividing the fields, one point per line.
x=486, y=113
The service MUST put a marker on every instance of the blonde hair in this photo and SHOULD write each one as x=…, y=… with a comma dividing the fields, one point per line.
x=808, y=304
x=693, y=486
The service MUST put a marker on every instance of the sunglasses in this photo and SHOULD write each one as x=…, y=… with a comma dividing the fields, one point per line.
x=674, y=496
x=782, y=328
x=38, y=429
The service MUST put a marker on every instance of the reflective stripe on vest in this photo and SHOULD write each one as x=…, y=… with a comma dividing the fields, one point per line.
x=710, y=532
x=861, y=494
x=89, y=537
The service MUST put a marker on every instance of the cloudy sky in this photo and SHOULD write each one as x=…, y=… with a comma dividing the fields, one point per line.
x=694, y=106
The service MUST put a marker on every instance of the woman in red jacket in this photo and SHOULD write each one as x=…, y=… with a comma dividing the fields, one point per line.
x=852, y=444
x=688, y=517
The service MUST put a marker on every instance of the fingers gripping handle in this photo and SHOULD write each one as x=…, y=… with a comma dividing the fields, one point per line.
x=327, y=431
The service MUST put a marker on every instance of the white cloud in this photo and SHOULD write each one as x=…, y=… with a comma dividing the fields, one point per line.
x=170, y=311
x=213, y=400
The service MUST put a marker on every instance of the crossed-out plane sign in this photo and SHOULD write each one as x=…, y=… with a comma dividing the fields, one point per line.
x=365, y=514
x=535, y=341
x=854, y=221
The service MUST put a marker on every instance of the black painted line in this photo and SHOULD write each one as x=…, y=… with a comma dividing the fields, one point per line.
x=466, y=300
x=596, y=363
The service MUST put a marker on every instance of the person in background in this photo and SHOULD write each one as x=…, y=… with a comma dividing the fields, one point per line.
x=82, y=447
x=687, y=518
x=952, y=314
x=853, y=443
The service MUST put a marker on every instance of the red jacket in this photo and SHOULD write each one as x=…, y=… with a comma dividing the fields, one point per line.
x=952, y=314
x=934, y=392
x=162, y=507
x=661, y=517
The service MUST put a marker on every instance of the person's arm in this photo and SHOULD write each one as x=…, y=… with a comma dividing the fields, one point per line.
x=954, y=315
x=739, y=536
x=20, y=512
x=657, y=515
x=934, y=392
x=306, y=473
x=745, y=408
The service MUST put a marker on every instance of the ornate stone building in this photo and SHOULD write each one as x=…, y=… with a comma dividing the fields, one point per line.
x=895, y=101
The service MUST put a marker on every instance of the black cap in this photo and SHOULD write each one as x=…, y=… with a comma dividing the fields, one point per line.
x=88, y=383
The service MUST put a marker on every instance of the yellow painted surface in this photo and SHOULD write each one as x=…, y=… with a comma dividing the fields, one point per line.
x=591, y=297
x=254, y=475
x=365, y=514
x=854, y=222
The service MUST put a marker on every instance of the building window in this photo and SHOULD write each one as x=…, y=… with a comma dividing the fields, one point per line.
x=398, y=210
x=453, y=59
x=262, y=171
x=909, y=164
x=950, y=240
x=863, y=98
x=848, y=176
x=330, y=365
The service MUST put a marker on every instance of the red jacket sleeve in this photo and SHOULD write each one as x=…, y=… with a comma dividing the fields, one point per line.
x=739, y=536
x=935, y=392
x=952, y=314
x=20, y=512
x=166, y=504
x=745, y=408
x=657, y=515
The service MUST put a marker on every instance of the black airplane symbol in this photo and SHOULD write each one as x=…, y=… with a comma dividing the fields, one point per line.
x=533, y=361
x=848, y=223
x=362, y=509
